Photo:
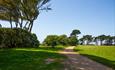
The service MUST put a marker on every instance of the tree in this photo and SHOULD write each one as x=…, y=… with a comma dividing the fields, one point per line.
x=75, y=32
x=0, y=26
x=101, y=38
x=95, y=39
x=63, y=40
x=20, y=11
x=16, y=37
x=81, y=41
x=87, y=38
x=113, y=39
x=8, y=10
x=51, y=40
x=108, y=40
x=73, y=41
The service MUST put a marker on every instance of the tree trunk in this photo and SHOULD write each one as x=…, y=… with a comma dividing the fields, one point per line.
x=11, y=22
x=16, y=23
x=96, y=42
x=26, y=24
x=87, y=42
x=21, y=23
x=31, y=22
x=100, y=42
x=29, y=27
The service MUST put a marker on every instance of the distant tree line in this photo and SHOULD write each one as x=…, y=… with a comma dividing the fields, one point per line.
x=99, y=40
x=72, y=40
x=53, y=40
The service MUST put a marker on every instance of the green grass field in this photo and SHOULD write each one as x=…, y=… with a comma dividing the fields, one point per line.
x=31, y=59
x=101, y=54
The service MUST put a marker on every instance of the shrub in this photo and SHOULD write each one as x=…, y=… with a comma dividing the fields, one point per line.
x=53, y=40
x=63, y=40
x=73, y=41
x=10, y=38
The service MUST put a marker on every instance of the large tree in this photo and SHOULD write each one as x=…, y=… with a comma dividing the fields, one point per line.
x=109, y=40
x=73, y=39
x=96, y=40
x=51, y=40
x=113, y=39
x=87, y=38
x=101, y=38
x=8, y=10
x=63, y=40
x=22, y=12
x=81, y=41
x=75, y=32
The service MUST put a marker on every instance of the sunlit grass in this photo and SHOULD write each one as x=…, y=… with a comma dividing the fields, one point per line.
x=31, y=59
x=102, y=54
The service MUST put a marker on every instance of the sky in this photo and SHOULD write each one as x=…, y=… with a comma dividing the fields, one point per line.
x=91, y=17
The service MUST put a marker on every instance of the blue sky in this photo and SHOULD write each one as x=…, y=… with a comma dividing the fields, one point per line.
x=94, y=17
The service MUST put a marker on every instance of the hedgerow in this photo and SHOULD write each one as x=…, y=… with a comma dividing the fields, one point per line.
x=16, y=37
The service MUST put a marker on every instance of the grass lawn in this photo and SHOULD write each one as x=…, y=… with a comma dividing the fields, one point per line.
x=102, y=54
x=42, y=58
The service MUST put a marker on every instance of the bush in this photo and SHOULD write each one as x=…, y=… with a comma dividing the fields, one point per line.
x=10, y=38
x=73, y=41
x=63, y=40
x=53, y=40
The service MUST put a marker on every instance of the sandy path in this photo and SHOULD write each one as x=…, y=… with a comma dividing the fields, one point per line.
x=78, y=62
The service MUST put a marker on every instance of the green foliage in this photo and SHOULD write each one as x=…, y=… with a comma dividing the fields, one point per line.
x=19, y=10
x=101, y=37
x=10, y=38
x=73, y=41
x=88, y=38
x=102, y=54
x=81, y=41
x=75, y=32
x=63, y=40
x=53, y=40
x=99, y=40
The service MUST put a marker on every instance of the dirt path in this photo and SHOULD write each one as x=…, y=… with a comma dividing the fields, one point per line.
x=78, y=62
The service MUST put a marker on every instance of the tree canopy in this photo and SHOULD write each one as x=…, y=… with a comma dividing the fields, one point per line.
x=75, y=32
x=22, y=12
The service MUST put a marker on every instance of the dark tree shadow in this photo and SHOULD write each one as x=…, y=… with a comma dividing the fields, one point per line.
x=11, y=59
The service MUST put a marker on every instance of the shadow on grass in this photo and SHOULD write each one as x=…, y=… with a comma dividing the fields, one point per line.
x=101, y=60
x=11, y=59
x=51, y=49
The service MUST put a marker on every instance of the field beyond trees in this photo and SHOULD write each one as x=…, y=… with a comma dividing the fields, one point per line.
x=101, y=54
